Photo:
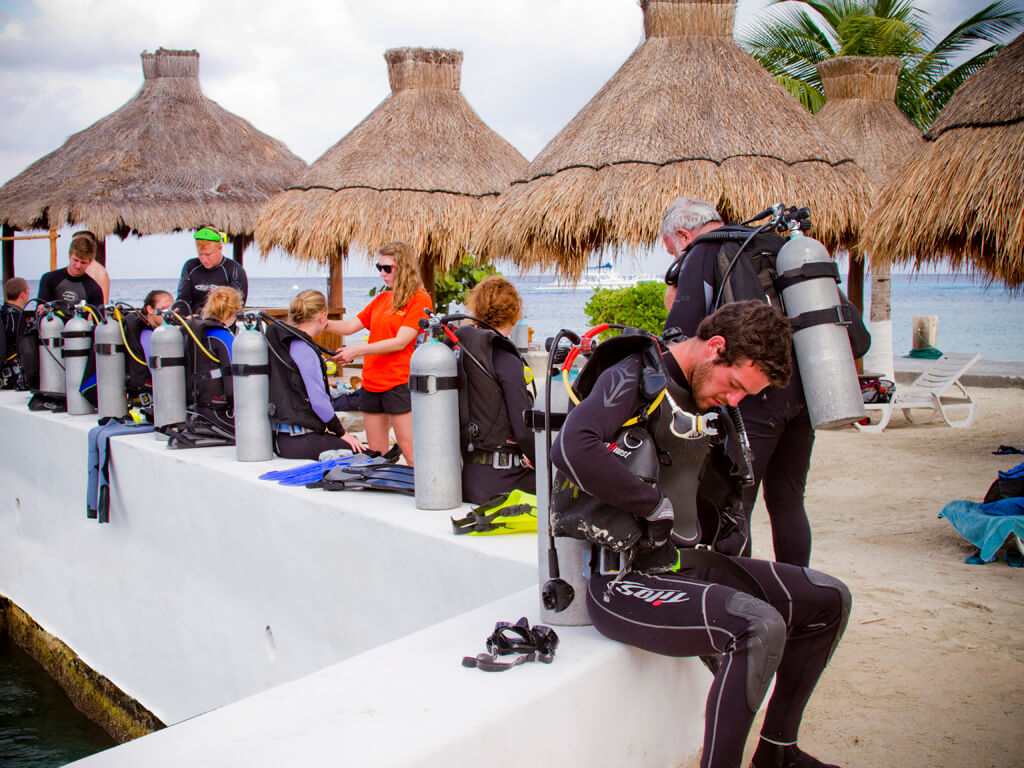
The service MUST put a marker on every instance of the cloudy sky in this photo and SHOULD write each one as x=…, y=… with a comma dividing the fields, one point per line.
x=306, y=72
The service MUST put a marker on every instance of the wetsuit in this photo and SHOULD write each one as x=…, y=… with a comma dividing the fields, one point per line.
x=10, y=367
x=197, y=281
x=777, y=422
x=493, y=397
x=699, y=611
x=60, y=286
x=303, y=420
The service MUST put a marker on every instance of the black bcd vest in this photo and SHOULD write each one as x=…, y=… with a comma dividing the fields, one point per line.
x=289, y=402
x=484, y=423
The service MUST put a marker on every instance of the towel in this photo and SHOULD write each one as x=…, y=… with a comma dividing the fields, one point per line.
x=987, y=526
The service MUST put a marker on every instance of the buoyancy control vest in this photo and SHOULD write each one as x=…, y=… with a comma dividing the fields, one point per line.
x=289, y=401
x=209, y=380
x=10, y=365
x=484, y=423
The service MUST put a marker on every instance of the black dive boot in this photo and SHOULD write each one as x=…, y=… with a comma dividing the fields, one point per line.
x=771, y=755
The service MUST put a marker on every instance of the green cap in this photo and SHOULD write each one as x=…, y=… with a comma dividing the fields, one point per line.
x=208, y=233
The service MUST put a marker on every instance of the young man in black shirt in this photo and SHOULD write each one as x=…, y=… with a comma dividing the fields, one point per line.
x=72, y=284
x=208, y=270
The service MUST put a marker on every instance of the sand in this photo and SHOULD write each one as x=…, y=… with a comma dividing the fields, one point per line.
x=930, y=672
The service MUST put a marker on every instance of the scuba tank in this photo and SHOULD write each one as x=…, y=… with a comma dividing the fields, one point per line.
x=111, y=394
x=250, y=374
x=167, y=362
x=808, y=284
x=434, y=382
x=563, y=561
x=51, y=367
x=77, y=343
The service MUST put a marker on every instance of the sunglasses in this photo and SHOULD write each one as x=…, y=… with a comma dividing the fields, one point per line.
x=385, y=268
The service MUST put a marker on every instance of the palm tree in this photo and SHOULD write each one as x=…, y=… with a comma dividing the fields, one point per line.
x=791, y=41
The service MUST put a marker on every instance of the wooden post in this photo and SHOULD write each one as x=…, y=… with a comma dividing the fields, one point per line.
x=427, y=276
x=334, y=298
x=855, y=282
x=8, y=253
x=238, y=244
x=101, y=251
x=926, y=331
x=53, y=249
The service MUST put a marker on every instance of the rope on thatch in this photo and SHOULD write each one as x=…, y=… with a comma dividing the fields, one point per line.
x=688, y=113
x=422, y=167
x=167, y=160
x=960, y=196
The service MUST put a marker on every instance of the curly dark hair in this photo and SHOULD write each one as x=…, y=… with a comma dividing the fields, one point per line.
x=756, y=331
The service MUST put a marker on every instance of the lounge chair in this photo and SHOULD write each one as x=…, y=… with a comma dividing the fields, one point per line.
x=928, y=391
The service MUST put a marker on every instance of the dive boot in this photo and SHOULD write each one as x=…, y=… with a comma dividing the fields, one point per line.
x=772, y=755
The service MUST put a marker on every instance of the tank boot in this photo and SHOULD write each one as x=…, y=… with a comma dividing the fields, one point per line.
x=772, y=755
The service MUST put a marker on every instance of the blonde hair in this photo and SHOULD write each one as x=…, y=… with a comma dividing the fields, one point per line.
x=496, y=301
x=222, y=303
x=307, y=305
x=407, y=275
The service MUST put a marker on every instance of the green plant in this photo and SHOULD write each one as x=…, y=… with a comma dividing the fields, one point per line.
x=451, y=288
x=789, y=41
x=640, y=306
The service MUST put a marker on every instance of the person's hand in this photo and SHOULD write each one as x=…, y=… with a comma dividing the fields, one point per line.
x=526, y=462
x=353, y=442
x=659, y=524
x=670, y=296
x=345, y=355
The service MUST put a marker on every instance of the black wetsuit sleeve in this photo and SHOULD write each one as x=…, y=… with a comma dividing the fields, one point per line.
x=46, y=286
x=237, y=278
x=186, y=293
x=581, y=450
x=508, y=369
x=690, y=306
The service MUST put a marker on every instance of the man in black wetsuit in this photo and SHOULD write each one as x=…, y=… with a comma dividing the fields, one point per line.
x=208, y=270
x=704, y=609
x=71, y=284
x=777, y=422
x=15, y=298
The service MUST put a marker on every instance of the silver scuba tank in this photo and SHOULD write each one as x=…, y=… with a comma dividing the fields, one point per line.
x=111, y=393
x=167, y=364
x=810, y=295
x=433, y=382
x=51, y=366
x=573, y=564
x=77, y=337
x=250, y=376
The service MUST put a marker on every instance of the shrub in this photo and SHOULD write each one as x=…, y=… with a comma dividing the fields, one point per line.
x=640, y=306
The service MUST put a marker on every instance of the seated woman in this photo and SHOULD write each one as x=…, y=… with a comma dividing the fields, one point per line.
x=302, y=417
x=209, y=368
x=138, y=332
x=497, y=447
x=393, y=321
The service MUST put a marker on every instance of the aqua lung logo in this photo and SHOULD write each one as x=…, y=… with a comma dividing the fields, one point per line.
x=648, y=595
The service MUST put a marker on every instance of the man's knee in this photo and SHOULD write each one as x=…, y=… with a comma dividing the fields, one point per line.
x=764, y=640
x=840, y=593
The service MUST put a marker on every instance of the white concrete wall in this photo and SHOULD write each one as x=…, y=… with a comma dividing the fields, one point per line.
x=371, y=605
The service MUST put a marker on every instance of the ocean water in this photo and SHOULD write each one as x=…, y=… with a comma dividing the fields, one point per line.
x=973, y=317
x=39, y=727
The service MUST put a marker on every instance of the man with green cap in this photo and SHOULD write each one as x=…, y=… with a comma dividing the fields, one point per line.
x=208, y=270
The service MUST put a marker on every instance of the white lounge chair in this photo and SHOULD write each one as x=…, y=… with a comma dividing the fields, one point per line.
x=928, y=391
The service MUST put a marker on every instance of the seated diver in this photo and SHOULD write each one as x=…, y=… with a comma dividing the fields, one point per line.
x=138, y=331
x=209, y=369
x=497, y=447
x=708, y=608
x=302, y=418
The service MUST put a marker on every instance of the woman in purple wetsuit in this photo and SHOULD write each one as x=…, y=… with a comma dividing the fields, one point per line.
x=302, y=416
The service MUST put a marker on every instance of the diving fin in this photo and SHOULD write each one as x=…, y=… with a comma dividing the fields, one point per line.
x=512, y=512
x=381, y=477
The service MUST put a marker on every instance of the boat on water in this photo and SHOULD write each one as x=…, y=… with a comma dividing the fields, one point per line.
x=596, y=277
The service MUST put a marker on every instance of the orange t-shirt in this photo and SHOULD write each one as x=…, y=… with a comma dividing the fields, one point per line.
x=387, y=371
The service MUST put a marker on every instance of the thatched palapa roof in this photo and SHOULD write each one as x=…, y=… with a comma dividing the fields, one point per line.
x=860, y=111
x=961, y=195
x=422, y=167
x=169, y=159
x=689, y=113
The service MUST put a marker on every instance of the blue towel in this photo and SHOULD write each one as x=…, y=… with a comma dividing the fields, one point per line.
x=988, y=532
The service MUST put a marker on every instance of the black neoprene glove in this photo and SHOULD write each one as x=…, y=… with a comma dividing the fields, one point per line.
x=334, y=426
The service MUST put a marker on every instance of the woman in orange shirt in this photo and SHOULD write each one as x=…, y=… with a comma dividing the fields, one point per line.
x=393, y=319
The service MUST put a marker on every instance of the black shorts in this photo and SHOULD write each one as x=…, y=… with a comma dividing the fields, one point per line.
x=395, y=401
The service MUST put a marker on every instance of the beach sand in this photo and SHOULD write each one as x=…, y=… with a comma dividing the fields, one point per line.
x=930, y=670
